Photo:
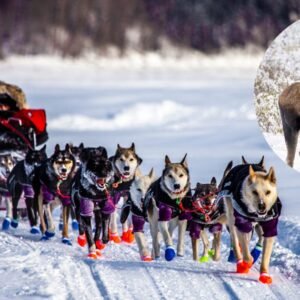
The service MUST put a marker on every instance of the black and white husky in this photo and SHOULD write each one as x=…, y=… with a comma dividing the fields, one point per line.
x=20, y=182
x=162, y=204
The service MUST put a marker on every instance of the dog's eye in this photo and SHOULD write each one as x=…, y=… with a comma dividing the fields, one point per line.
x=268, y=192
x=170, y=176
x=255, y=193
x=139, y=190
x=181, y=175
x=122, y=159
x=131, y=159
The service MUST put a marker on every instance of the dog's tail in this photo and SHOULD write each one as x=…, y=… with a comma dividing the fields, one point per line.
x=225, y=173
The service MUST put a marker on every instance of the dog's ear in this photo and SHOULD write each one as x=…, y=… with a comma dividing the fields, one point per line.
x=68, y=148
x=271, y=175
x=252, y=174
x=167, y=160
x=119, y=148
x=198, y=185
x=103, y=151
x=139, y=160
x=262, y=162
x=184, y=161
x=57, y=148
x=213, y=181
x=132, y=147
x=244, y=160
x=151, y=174
x=81, y=146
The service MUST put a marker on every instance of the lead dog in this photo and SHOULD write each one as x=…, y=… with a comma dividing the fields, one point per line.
x=20, y=182
x=92, y=189
x=54, y=178
x=125, y=165
x=135, y=207
x=162, y=203
x=250, y=196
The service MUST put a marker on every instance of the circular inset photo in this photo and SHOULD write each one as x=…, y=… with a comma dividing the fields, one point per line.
x=277, y=95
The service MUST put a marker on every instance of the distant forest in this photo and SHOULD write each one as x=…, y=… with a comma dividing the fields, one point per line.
x=72, y=27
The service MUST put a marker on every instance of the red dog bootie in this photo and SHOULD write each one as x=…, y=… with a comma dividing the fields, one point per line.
x=243, y=267
x=81, y=240
x=265, y=278
x=128, y=236
x=146, y=258
x=95, y=254
x=114, y=237
x=100, y=245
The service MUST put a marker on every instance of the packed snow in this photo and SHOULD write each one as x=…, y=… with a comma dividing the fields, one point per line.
x=206, y=111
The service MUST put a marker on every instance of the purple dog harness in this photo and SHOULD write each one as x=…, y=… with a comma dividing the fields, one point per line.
x=195, y=228
x=87, y=205
x=49, y=196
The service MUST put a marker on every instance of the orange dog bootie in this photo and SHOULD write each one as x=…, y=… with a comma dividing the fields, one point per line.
x=265, y=278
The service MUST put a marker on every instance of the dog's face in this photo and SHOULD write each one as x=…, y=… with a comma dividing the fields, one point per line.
x=92, y=153
x=175, y=176
x=36, y=157
x=63, y=162
x=140, y=186
x=6, y=165
x=126, y=161
x=99, y=172
x=259, y=191
x=206, y=193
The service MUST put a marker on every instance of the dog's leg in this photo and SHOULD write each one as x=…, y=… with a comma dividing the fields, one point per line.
x=40, y=201
x=172, y=226
x=195, y=247
x=256, y=251
x=217, y=245
x=15, y=201
x=153, y=220
x=87, y=222
x=51, y=227
x=182, y=224
x=205, y=241
x=30, y=211
x=65, y=231
x=232, y=228
x=265, y=262
x=114, y=235
x=142, y=245
x=169, y=252
x=105, y=228
x=8, y=203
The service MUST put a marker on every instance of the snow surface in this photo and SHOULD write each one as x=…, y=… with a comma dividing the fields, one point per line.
x=204, y=110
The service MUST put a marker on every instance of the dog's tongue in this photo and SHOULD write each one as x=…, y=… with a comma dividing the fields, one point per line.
x=101, y=181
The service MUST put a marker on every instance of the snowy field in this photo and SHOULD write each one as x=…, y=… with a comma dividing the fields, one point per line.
x=165, y=107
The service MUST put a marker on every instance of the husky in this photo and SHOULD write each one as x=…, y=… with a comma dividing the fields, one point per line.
x=250, y=196
x=76, y=151
x=7, y=164
x=207, y=213
x=55, y=176
x=20, y=183
x=162, y=204
x=126, y=164
x=135, y=207
x=289, y=106
x=92, y=189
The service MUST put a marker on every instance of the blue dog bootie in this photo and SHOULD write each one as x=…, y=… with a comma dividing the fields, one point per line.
x=49, y=234
x=170, y=253
x=44, y=238
x=14, y=223
x=231, y=257
x=256, y=251
x=75, y=226
x=35, y=230
x=6, y=223
x=66, y=241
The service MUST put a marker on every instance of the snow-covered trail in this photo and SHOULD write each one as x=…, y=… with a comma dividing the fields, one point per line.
x=34, y=269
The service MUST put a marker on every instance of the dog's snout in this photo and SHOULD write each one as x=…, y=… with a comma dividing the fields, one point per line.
x=261, y=206
x=63, y=170
x=126, y=168
x=176, y=186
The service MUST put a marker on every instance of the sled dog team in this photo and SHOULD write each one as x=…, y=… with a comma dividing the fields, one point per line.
x=91, y=187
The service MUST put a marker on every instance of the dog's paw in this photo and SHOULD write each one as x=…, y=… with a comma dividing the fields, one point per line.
x=35, y=230
x=94, y=254
x=265, y=278
x=204, y=258
x=44, y=238
x=170, y=253
x=81, y=240
x=14, y=223
x=231, y=257
x=256, y=251
x=100, y=245
x=114, y=237
x=66, y=241
x=146, y=258
x=49, y=234
x=243, y=267
x=75, y=225
x=6, y=223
